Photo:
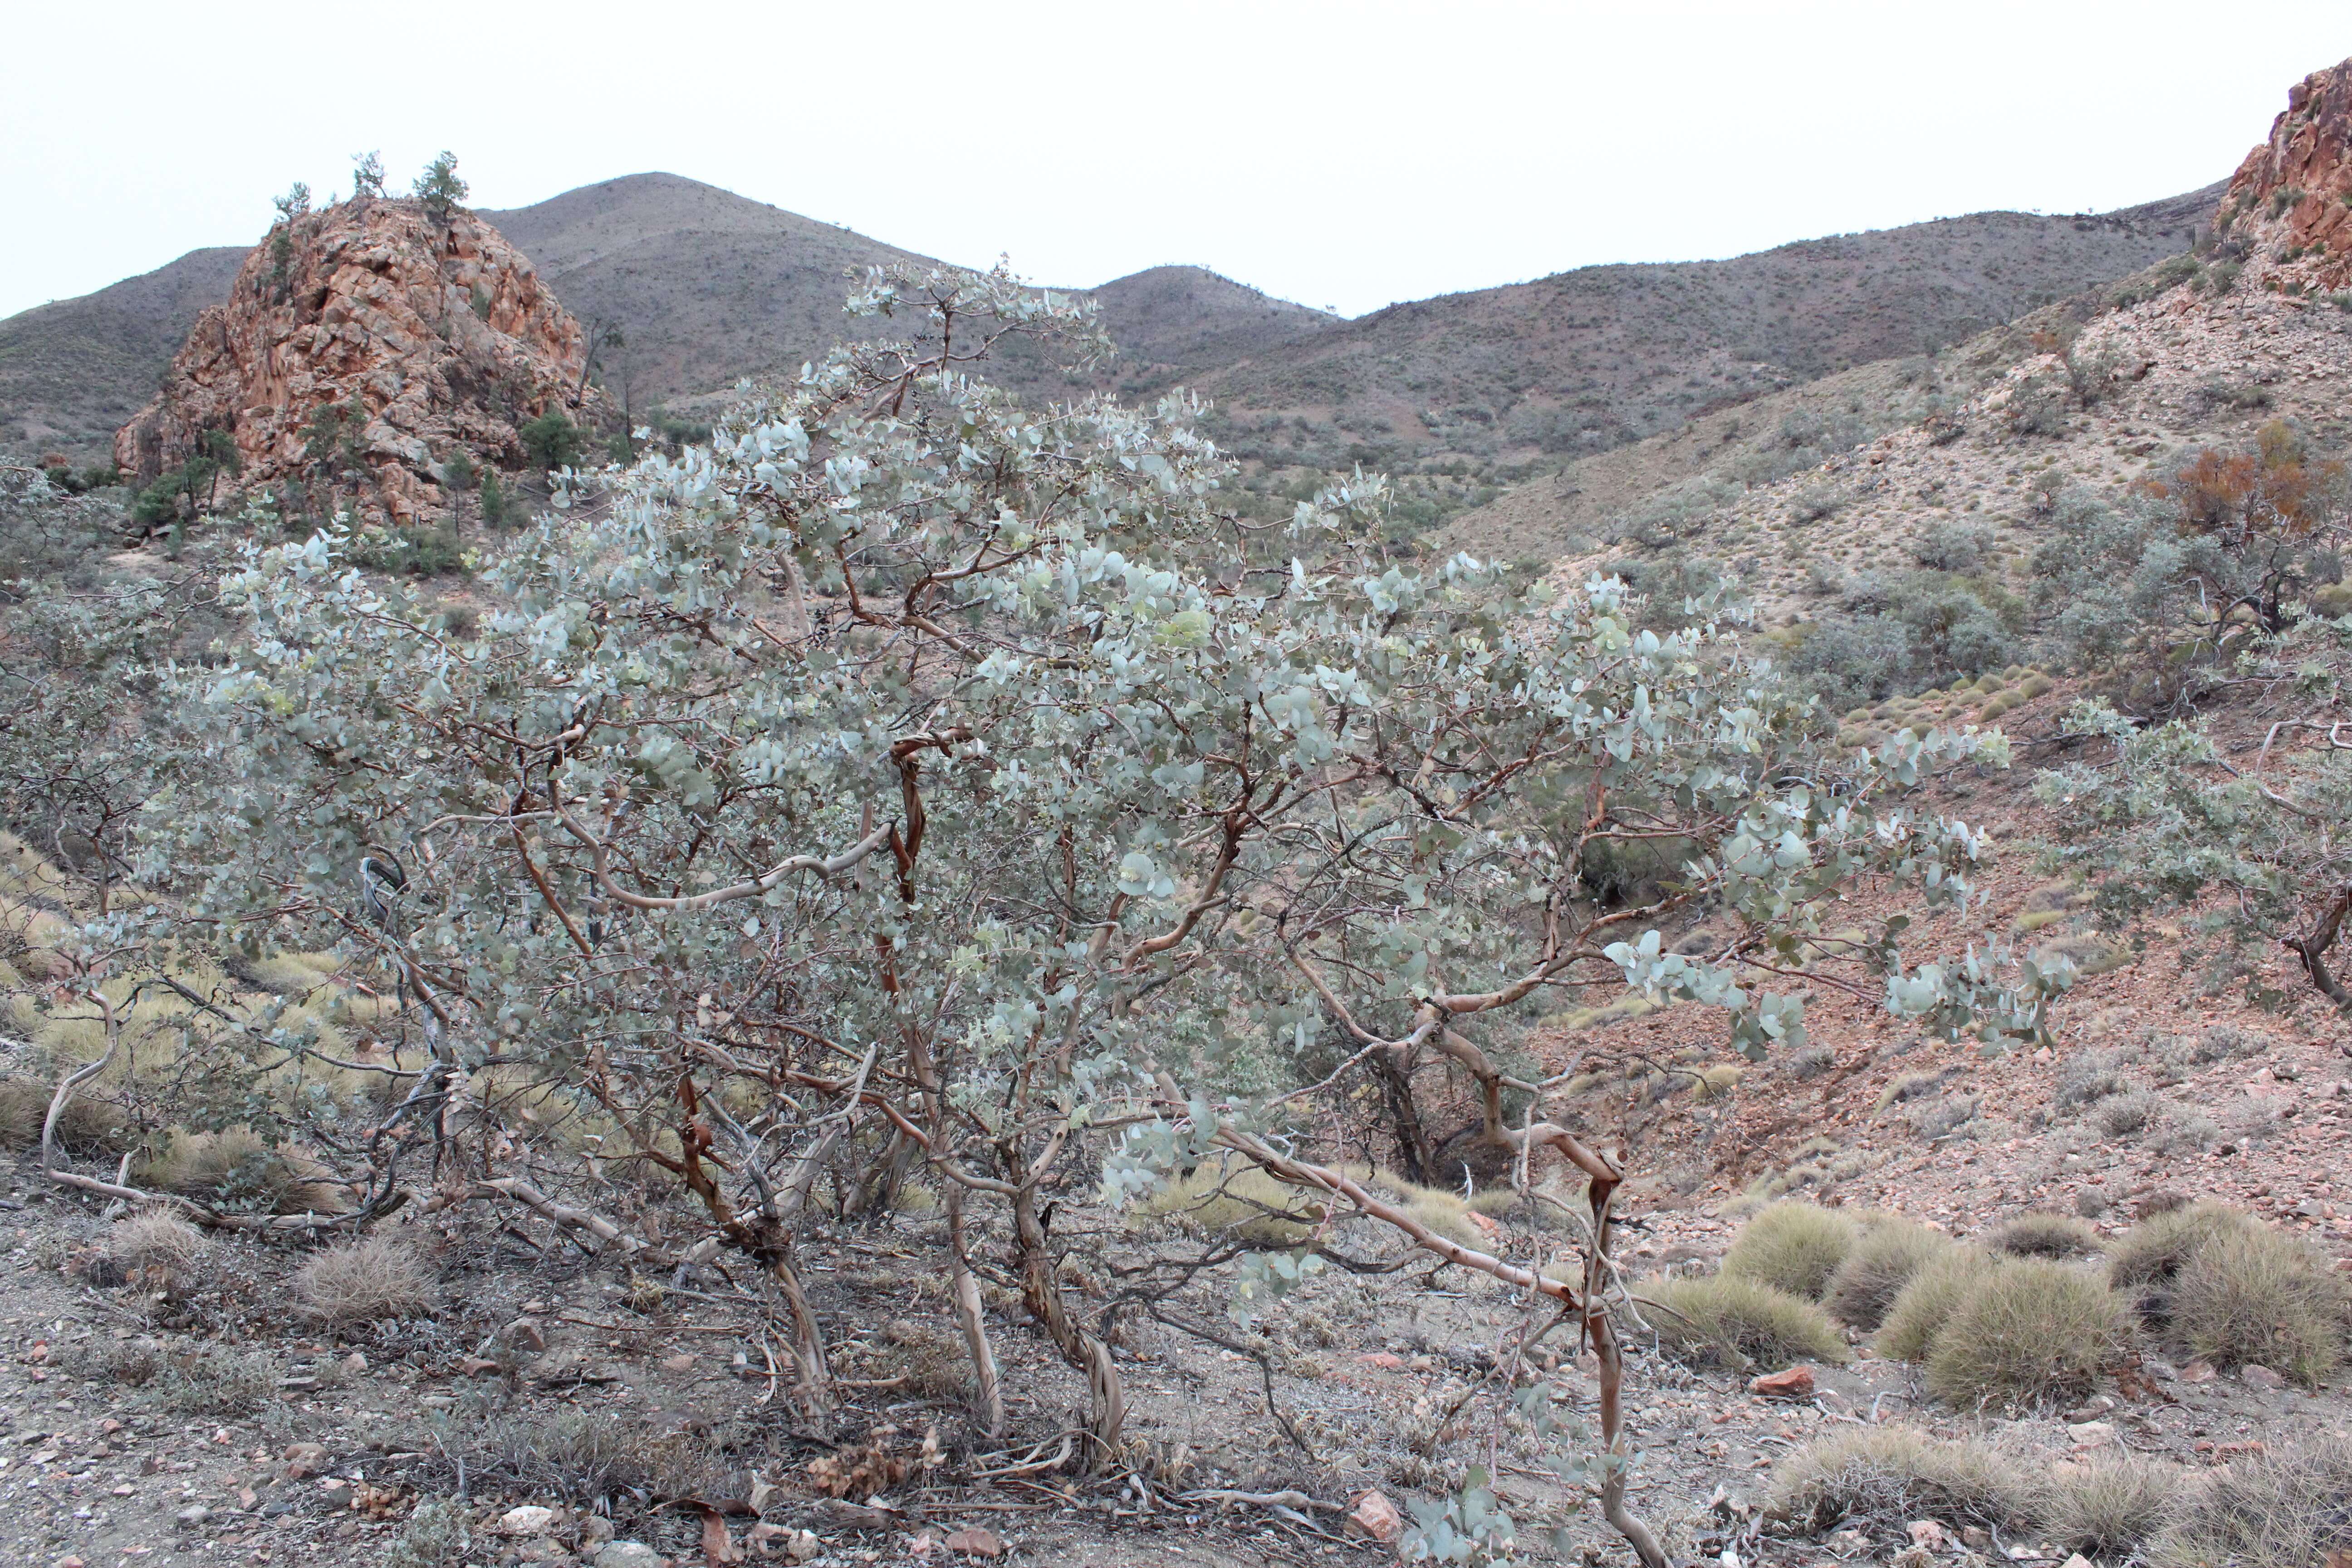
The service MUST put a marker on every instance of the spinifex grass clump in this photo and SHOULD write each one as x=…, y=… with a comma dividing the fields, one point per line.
x=1703, y=1316
x=2150, y=1254
x=359, y=1281
x=2044, y=1235
x=2259, y=1296
x=1884, y=1476
x=1882, y=1263
x=2105, y=1508
x=1916, y=1314
x=2288, y=1508
x=1792, y=1246
x=2026, y=1333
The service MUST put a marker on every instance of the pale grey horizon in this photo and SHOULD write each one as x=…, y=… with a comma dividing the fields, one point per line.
x=1342, y=155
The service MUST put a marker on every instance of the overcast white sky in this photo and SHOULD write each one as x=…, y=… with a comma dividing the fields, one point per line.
x=1346, y=154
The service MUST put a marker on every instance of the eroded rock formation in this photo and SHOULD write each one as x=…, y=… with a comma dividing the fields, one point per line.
x=2289, y=199
x=362, y=348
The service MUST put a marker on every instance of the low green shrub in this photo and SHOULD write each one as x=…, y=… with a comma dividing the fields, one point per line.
x=1881, y=1264
x=1792, y=1246
x=1703, y=1316
x=2026, y=1333
x=1882, y=1478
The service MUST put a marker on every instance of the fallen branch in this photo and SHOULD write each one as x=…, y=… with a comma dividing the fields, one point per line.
x=215, y=1219
x=565, y=1217
x=1262, y=1499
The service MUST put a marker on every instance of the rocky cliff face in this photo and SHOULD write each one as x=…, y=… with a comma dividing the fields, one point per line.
x=2289, y=199
x=362, y=348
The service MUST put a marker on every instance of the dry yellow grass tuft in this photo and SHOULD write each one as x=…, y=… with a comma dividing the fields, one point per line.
x=157, y=1248
x=373, y=1277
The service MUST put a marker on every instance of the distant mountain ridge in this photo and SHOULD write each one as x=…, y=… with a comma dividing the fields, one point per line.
x=73, y=370
x=1586, y=360
x=706, y=286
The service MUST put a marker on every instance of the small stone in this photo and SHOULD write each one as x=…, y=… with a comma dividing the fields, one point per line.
x=2197, y=1371
x=2261, y=1377
x=629, y=1555
x=1796, y=1382
x=125, y=1491
x=476, y=1365
x=1925, y=1533
x=297, y=1386
x=1375, y=1517
x=303, y=1460
x=526, y=1334
x=529, y=1519
x=2078, y=1561
x=2092, y=1434
x=355, y=1365
x=975, y=1541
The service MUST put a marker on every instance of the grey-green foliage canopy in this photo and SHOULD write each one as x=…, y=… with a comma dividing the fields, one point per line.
x=916, y=775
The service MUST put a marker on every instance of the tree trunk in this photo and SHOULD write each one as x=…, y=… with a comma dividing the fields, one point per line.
x=966, y=1295
x=815, y=1388
x=1414, y=1151
x=1043, y=1295
x=2314, y=948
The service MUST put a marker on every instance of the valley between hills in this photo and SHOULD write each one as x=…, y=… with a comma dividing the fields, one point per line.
x=616, y=951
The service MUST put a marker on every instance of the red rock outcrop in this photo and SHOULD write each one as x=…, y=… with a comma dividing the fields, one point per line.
x=2288, y=199
x=361, y=347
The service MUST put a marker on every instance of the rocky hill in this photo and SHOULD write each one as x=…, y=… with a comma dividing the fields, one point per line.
x=1602, y=355
x=365, y=345
x=72, y=370
x=2290, y=203
x=2196, y=351
x=707, y=287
